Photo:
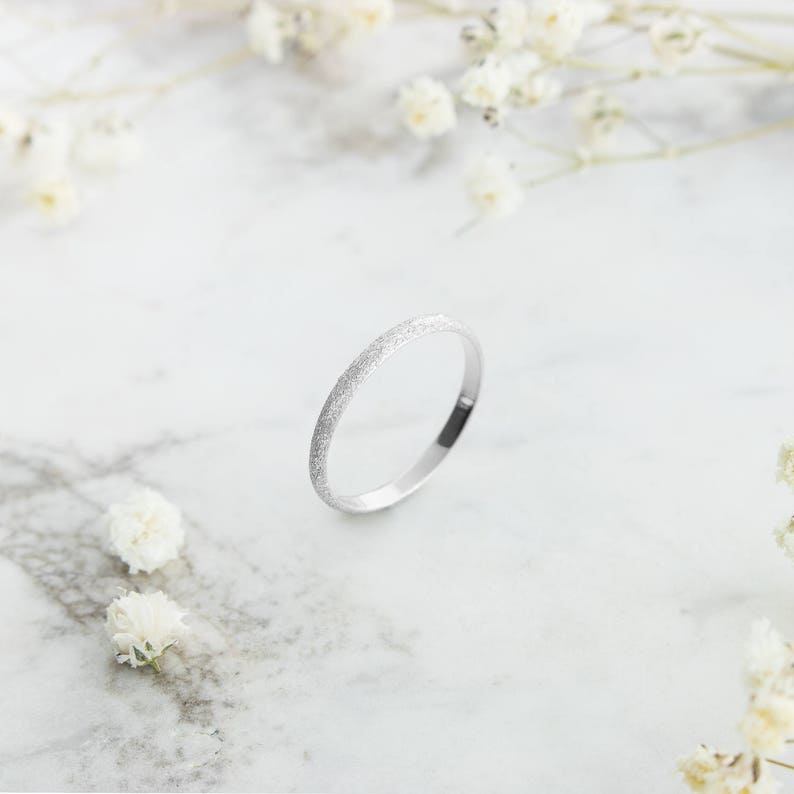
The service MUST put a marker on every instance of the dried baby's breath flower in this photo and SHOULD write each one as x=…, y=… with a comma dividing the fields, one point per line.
x=57, y=200
x=703, y=768
x=509, y=22
x=769, y=721
x=784, y=535
x=623, y=9
x=501, y=30
x=478, y=38
x=531, y=87
x=594, y=12
x=268, y=30
x=555, y=27
x=12, y=128
x=492, y=187
x=768, y=658
x=366, y=16
x=145, y=530
x=312, y=31
x=143, y=626
x=523, y=63
x=674, y=38
x=536, y=91
x=43, y=149
x=766, y=726
x=600, y=115
x=427, y=107
x=708, y=771
x=487, y=83
x=785, y=462
x=493, y=117
x=107, y=144
x=167, y=8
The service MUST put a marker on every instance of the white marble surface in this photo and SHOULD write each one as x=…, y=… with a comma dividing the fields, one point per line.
x=560, y=610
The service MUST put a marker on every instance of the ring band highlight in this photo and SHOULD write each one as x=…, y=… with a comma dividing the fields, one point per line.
x=385, y=346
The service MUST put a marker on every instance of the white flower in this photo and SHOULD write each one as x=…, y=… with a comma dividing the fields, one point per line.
x=594, y=12
x=530, y=87
x=537, y=91
x=768, y=658
x=509, y=22
x=43, y=149
x=167, y=8
x=108, y=143
x=501, y=30
x=600, y=115
x=524, y=63
x=674, y=38
x=268, y=30
x=623, y=9
x=12, y=128
x=555, y=27
x=143, y=626
x=492, y=187
x=57, y=200
x=486, y=84
x=366, y=16
x=145, y=530
x=769, y=721
x=479, y=38
x=702, y=769
x=784, y=535
x=427, y=107
x=313, y=30
x=785, y=462
x=707, y=771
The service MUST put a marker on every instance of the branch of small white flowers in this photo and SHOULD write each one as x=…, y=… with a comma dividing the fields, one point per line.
x=145, y=531
x=517, y=57
x=768, y=722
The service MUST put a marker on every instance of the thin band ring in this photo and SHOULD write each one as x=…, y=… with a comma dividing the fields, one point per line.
x=354, y=376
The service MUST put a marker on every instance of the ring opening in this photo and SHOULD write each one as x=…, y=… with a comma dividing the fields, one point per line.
x=400, y=422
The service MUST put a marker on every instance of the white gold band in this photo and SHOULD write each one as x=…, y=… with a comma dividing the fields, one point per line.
x=376, y=354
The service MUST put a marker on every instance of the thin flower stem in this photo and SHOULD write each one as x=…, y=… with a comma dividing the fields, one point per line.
x=683, y=151
x=576, y=90
x=666, y=153
x=742, y=55
x=638, y=72
x=546, y=147
x=719, y=22
x=779, y=763
x=99, y=56
x=219, y=64
x=747, y=16
x=627, y=35
x=552, y=175
x=26, y=71
x=765, y=17
x=727, y=140
x=648, y=132
x=473, y=223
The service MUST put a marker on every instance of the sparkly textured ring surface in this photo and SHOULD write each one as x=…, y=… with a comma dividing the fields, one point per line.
x=379, y=351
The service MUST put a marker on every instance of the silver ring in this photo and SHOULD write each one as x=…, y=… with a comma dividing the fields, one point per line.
x=379, y=351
